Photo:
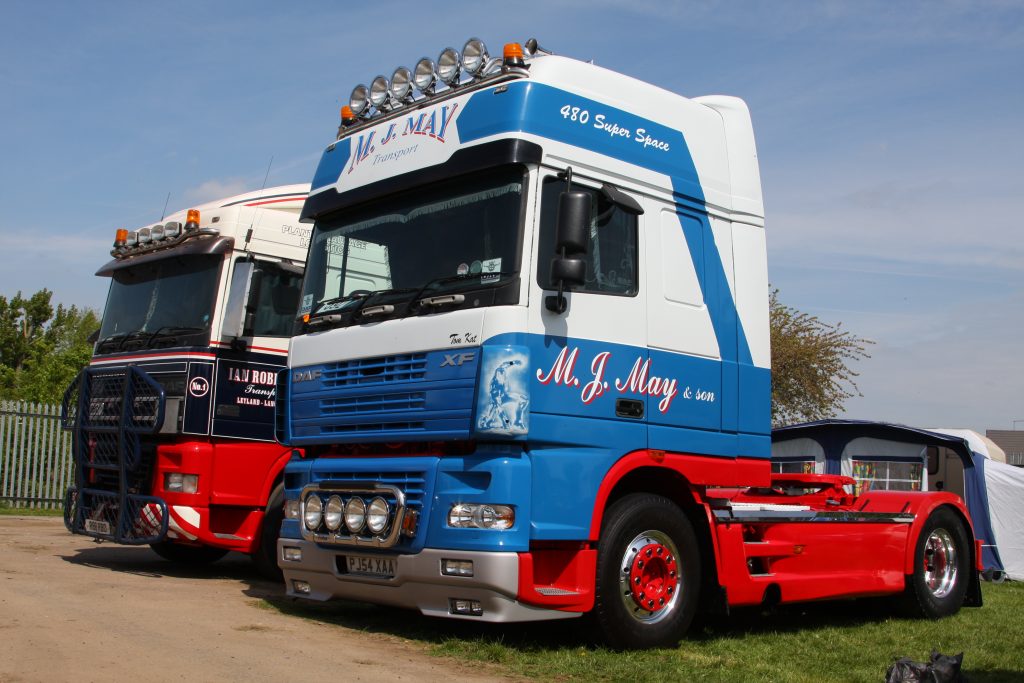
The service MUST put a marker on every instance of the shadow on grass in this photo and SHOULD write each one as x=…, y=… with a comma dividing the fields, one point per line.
x=565, y=634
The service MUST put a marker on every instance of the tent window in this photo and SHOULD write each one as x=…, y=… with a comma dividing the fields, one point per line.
x=886, y=475
x=933, y=460
x=793, y=467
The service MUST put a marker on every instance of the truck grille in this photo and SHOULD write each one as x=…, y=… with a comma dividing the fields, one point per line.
x=400, y=368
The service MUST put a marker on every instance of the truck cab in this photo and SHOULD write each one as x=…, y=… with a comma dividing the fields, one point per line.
x=173, y=418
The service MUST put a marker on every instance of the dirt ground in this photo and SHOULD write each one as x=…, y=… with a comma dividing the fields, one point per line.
x=72, y=609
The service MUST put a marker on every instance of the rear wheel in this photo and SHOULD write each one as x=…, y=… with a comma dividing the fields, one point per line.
x=180, y=553
x=942, y=565
x=265, y=556
x=648, y=573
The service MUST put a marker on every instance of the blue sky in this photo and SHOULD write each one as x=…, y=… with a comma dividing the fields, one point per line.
x=889, y=135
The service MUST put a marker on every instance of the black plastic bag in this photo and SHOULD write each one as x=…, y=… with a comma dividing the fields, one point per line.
x=941, y=669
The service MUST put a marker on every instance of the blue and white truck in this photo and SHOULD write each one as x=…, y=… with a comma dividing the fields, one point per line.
x=551, y=394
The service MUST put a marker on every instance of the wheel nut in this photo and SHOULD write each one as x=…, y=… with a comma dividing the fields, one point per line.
x=671, y=590
x=640, y=564
x=637, y=580
x=659, y=550
x=648, y=552
x=661, y=601
x=650, y=603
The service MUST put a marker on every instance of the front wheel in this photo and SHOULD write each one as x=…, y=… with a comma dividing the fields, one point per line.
x=265, y=555
x=942, y=565
x=648, y=573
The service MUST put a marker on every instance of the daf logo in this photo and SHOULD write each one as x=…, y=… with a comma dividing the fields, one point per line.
x=456, y=359
x=305, y=376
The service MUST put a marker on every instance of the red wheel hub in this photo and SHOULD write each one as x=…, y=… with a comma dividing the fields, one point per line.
x=653, y=578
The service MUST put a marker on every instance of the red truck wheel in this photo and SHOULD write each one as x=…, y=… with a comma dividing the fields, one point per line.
x=648, y=572
x=942, y=564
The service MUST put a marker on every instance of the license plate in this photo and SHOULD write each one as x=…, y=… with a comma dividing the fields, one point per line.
x=97, y=526
x=371, y=566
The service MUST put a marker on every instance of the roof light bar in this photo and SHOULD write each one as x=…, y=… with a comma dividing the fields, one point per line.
x=474, y=63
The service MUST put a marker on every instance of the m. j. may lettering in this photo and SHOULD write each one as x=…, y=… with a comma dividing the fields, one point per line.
x=431, y=124
x=639, y=381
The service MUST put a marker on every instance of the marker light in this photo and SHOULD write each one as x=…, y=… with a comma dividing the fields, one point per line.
x=120, y=238
x=145, y=236
x=347, y=115
x=401, y=85
x=379, y=92
x=423, y=76
x=448, y=66
x=512, y=55
x=359, y=100
x=157, y=233
x=474, y=56
x=171, y=230
x=192, y=219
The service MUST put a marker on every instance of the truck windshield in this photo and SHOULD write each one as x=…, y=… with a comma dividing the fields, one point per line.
x=458, y=234
x=170, y=296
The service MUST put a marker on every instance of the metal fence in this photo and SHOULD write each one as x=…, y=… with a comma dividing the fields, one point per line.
x=36, y=464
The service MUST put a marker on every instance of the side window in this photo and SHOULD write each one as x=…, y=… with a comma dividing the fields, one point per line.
x=612, y=266
x=276, y=302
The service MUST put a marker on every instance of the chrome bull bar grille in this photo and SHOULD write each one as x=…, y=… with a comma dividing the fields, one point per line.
x=401, y=518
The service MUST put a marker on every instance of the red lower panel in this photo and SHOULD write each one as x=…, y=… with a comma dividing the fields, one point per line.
x=558, y=577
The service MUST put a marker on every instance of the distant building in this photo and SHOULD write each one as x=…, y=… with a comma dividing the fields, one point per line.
x=1011, y=441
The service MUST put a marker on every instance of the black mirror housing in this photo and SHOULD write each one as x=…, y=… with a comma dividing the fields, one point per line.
x=572, y=229
x=568, y=271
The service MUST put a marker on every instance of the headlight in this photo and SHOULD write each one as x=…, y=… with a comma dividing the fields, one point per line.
x=333, y=512
x=377, y=515
x=474, y=56
x=312, y=511
x=379, y=92
x=145, y=236
x=423, y=77
x=448, y=66
x=481, y=516
x=291, y=509
x=359, y=99
x=156, y=233
x=401, y=84
x=355, y=515
x=181, y=483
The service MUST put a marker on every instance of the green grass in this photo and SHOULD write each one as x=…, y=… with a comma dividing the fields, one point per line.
x=845, y=641
x=6, y=509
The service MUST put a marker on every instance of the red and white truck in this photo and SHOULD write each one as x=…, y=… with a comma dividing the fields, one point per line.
x=173, y=419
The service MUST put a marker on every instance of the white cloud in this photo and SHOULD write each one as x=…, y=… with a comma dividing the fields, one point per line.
x=217, y=188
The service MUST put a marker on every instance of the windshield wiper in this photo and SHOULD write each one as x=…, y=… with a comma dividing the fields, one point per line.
x=444, y=299
x=171, y=331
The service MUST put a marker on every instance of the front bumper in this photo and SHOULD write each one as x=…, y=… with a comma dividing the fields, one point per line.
x=418, y=582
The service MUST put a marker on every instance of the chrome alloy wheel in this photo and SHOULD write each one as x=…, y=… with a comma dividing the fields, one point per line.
x=940, y=563
x=649, y=577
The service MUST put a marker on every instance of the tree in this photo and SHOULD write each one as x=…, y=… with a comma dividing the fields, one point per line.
x=42, y=349
x=811, y=365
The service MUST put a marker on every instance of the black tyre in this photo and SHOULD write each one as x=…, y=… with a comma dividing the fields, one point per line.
x=179, y=553
x=265, y=556
x=648, y=573
x=942, y=565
